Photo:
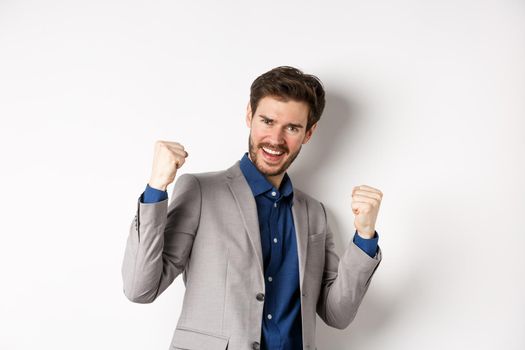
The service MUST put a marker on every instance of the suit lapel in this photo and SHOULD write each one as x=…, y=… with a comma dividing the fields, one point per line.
x=246, y=204
x=300, y=219
x=248, y=208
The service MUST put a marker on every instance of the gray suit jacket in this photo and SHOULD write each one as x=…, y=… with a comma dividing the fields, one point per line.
x=210, y=233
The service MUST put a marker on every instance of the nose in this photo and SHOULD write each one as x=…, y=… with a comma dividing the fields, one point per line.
x=276, y=136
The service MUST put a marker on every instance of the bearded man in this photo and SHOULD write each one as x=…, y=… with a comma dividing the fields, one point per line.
x=257, y=254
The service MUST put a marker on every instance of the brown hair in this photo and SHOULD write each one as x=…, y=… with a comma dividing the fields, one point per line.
x=289, y=83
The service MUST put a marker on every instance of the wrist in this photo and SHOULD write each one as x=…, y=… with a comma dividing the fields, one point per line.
x=157, y=185
x=366, y=235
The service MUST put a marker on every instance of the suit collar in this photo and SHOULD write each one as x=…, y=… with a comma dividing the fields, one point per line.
x=245, y=200
x=300, y=219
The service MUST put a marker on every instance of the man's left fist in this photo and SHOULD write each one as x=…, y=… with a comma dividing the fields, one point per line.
x=365, y=205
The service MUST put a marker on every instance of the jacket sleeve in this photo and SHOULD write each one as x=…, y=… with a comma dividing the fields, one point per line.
x=345, y=282
x=160, y=241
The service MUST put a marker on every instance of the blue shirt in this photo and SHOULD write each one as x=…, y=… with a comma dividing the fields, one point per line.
x=281, y=324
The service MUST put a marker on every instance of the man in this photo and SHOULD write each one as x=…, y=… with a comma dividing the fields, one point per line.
x=257, y=254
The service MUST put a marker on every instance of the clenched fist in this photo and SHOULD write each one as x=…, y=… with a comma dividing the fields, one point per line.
x=168, y=157
x=365, y=205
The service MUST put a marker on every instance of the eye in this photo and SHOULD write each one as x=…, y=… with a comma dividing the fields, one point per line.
x=292, y=129
x=266, y=121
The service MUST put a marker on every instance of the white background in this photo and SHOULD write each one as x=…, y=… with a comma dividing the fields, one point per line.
x=425, y=101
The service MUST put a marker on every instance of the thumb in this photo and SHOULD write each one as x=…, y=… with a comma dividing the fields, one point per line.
x=355, y=208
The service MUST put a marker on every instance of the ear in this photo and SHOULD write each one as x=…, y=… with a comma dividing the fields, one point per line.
x=309, y=134
x=249, y=115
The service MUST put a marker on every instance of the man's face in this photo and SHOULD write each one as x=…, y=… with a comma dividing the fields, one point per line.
x=278, y=130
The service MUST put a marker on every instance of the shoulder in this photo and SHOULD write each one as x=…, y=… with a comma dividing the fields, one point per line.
x=207, y=176
x=212, y=178
x=203, y=178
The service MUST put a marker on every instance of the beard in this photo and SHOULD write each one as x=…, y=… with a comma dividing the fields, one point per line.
x=259, y=162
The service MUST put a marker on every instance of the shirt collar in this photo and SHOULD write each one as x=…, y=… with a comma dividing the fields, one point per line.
x=258, y=182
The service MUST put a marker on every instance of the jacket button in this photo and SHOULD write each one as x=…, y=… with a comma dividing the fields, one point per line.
x=260, y=297
x=256, y=346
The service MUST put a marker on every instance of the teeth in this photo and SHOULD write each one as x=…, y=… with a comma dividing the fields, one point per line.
x=275, y=153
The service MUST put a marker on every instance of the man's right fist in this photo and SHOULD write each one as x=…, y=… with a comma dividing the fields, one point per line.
x=168, y=157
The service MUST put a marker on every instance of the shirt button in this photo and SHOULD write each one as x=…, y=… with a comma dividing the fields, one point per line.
x=270, y=279
x=256, y=346
x=260, y=297
x=269, y=316
x=275, y=205
x=274, y=193
x=275, y=240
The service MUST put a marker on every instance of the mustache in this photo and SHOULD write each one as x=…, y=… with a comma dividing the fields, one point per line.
x=278, y=148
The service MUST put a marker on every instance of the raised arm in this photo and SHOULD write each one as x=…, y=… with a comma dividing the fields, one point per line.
x=346, y=280
x=161, y=236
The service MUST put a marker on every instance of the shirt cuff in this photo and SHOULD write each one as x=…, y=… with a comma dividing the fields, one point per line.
x=152, y=195
x=369, y=246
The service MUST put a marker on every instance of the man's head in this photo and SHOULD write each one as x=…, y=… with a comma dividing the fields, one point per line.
x=288, y=83
x=285, y=106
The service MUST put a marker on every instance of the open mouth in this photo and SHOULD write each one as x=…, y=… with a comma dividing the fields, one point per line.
x=272, y=154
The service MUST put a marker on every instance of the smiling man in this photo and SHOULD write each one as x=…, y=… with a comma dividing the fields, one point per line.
x=278, y=129
x=257, y=254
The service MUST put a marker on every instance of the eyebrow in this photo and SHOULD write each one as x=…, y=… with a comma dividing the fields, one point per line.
x=298, y=126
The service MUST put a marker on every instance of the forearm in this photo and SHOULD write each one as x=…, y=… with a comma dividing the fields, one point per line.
x=345, y=284
x=143, y=265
